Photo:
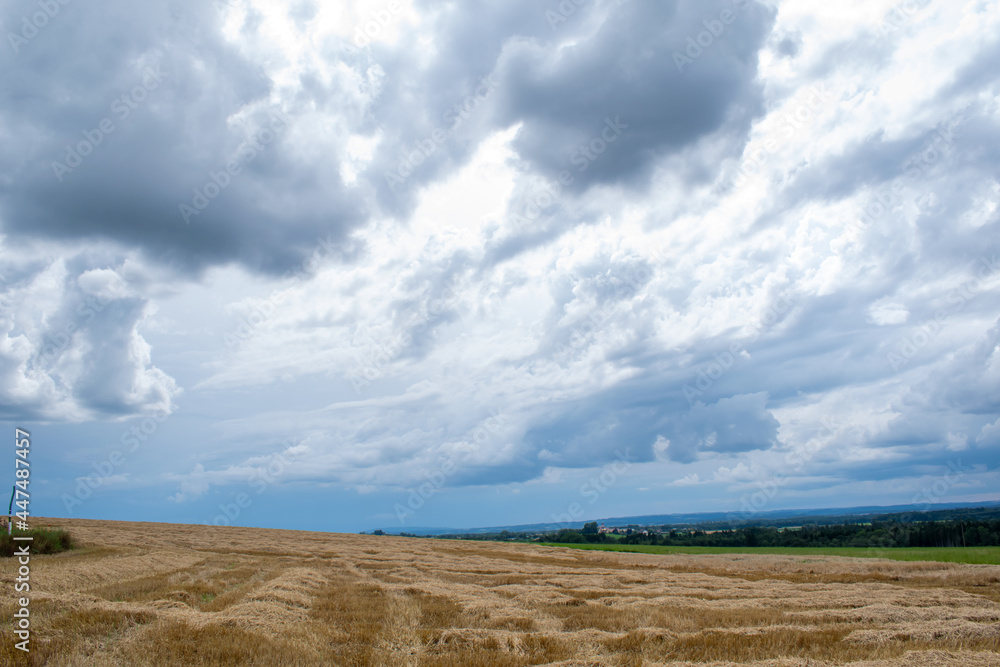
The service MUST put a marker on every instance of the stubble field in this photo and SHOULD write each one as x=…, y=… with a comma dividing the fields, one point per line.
x=162, y=594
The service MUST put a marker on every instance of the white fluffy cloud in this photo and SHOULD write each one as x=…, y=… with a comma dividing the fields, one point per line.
x=72, y=350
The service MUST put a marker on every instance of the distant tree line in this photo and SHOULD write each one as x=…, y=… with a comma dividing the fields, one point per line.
x=964, y=514
x=968, y=526
x=885, y=534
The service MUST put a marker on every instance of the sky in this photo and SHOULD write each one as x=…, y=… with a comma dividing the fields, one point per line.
x=399, y=263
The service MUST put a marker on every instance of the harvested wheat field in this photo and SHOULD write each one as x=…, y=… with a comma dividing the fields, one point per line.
x=162, y=594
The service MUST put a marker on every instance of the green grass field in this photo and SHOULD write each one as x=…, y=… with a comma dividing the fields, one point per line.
x=978, y=555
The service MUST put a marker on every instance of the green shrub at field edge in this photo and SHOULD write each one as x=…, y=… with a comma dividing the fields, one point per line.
x=46, y=541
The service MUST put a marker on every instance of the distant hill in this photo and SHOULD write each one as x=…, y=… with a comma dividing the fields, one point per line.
x=715, y=519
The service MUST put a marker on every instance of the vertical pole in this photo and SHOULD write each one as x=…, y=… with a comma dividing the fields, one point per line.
x=10, y=511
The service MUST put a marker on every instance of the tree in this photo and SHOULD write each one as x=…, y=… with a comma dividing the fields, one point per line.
x=567, y=536
x=590, y=528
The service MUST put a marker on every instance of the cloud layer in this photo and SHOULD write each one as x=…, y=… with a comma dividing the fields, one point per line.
x=503, y=244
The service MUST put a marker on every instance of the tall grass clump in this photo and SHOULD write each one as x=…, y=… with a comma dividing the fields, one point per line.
x=46, y=541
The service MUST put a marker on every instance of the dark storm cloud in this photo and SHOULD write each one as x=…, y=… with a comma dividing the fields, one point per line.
x=627, y=73
x=153, y=131
x=587, y=432
x=115, y=114
x=739, y=423
x=434, y=110
x=606, y=108
x=636, y=415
